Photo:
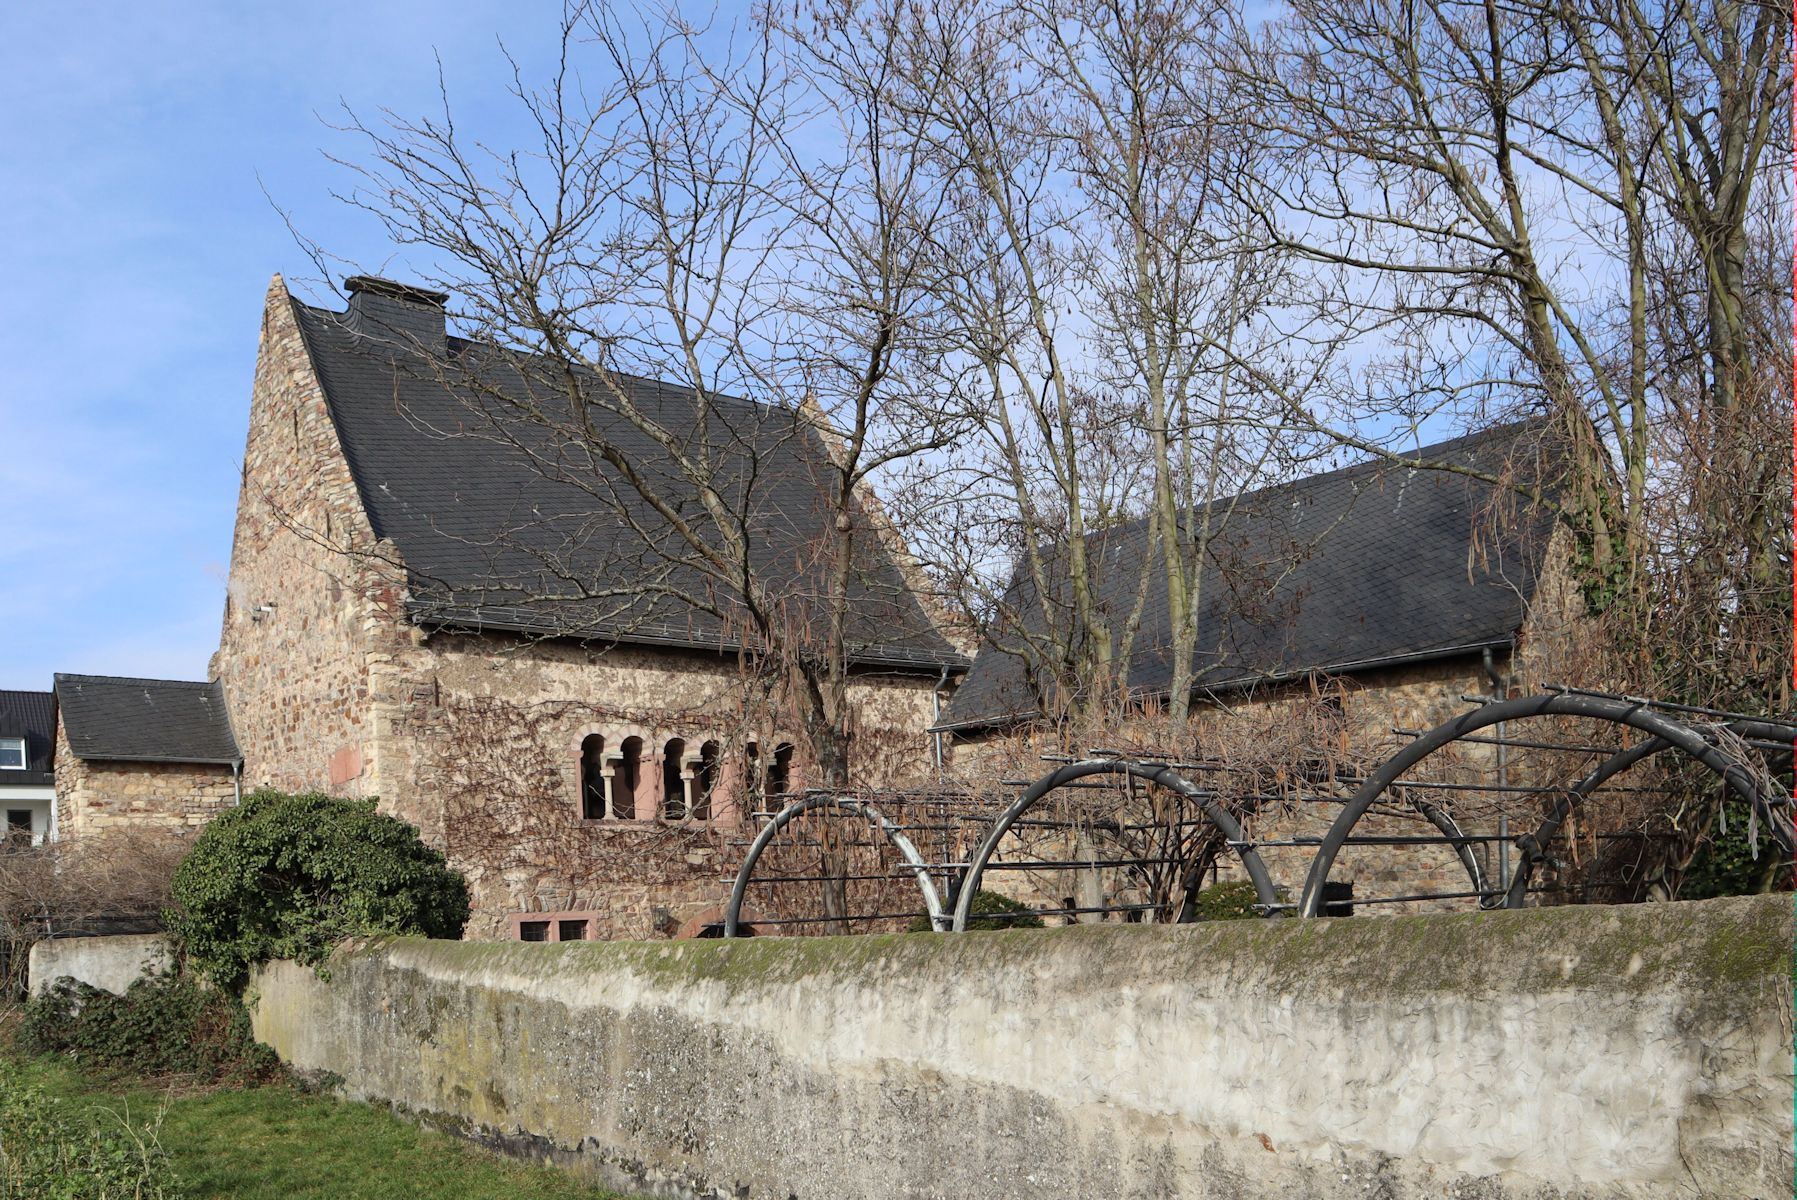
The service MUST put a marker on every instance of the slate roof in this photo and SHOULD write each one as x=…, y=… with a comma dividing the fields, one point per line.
x=145, y=720
x=497, y=533
x=32, y=716
x=1360, y=567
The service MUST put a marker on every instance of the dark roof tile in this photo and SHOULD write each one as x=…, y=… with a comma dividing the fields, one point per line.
x=32, y=716
x=148, y=720
x=501, y=528
x=1339, y=571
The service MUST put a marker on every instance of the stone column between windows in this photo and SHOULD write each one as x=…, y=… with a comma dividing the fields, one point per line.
x=689, y=764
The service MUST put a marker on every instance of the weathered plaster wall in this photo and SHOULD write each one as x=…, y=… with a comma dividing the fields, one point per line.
x=1604, y=1052
x=95, y=796
x=112, y=964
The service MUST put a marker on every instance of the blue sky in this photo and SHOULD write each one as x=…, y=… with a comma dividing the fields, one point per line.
x=136, y=144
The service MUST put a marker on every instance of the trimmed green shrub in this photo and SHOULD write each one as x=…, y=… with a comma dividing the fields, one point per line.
x=288, y=876
x=988, y=911
x=163, y=1025
x=1229, y=901
x=51, y=1149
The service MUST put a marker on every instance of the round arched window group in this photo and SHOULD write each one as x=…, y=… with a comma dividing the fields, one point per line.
x=678, y=780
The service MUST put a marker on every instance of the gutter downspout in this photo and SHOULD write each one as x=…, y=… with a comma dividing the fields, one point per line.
x=936, y=716
x=1500, y=687
x=237, y=781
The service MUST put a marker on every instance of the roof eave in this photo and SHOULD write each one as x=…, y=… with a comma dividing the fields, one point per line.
x=1244, y=683
x=179, y=760
x=921, y=664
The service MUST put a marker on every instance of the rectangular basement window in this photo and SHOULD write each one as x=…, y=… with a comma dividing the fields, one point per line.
x=533, y=931
x=570, y=931
x=18, y=822
x=12, y=754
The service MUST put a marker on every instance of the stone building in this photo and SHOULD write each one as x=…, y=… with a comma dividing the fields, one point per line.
x=141, y=753
x=1381, y=594
x=424, y=607
x=411, y=616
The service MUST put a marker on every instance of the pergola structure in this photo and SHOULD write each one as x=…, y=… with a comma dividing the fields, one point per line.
x=1542, y=760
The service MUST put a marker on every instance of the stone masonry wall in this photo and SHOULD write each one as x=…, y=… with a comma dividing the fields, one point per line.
x=95, y=796
x=493, y=741
x=297, y=675
x=1622, y=1053
x=1372, y=704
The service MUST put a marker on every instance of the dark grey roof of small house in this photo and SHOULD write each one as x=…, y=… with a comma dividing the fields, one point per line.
x=498, y=523
x=145, y=720
x=1366, y=566
x=32, y=716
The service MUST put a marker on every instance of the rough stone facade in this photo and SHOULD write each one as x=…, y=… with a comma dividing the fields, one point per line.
x=96, y=796
x=478, y=740
x=312, y=613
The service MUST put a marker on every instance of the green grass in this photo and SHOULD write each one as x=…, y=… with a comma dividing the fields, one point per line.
x=275, y=1143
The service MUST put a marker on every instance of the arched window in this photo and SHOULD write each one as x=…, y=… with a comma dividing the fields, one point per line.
x=673, y=781
x=705, y=777
x=627, y=774
x=592, y=778
x=752, y=776
x=779, y=773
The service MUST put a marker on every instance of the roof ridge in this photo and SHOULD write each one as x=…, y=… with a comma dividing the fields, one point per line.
x=134, y=680
x=462, y=344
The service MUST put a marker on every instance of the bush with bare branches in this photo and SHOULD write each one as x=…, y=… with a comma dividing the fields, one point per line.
x=94, y=884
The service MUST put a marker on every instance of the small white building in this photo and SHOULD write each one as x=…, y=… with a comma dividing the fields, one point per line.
x=27, y=779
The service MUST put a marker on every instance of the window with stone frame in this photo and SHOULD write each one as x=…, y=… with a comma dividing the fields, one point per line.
x=595, y=785
x=676, y=800
x=626, y=779
x=554, y=926
x=705, y=780
x=779, y=774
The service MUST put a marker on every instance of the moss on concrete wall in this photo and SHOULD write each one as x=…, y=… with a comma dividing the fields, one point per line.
x=1581, y=1051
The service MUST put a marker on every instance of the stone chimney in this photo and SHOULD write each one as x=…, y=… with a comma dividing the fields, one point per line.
x=396, y=312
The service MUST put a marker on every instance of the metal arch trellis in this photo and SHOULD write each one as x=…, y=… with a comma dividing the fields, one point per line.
x=815, y=801
x=962, y=878
x=958, y=877
x=1157, y=773
x=1664, y=733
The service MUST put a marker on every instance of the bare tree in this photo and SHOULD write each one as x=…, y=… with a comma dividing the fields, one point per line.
x=1544, y=206
x=1096, y=255
x=742, y=223
x=1171, y=260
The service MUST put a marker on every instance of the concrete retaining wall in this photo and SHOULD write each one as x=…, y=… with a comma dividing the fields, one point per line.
x=1613, y=1052
x=110, y=963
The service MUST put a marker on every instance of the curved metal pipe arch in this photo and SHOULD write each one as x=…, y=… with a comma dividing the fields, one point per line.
x=1664, y=734
x=1154, y=773
x=932, y=900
